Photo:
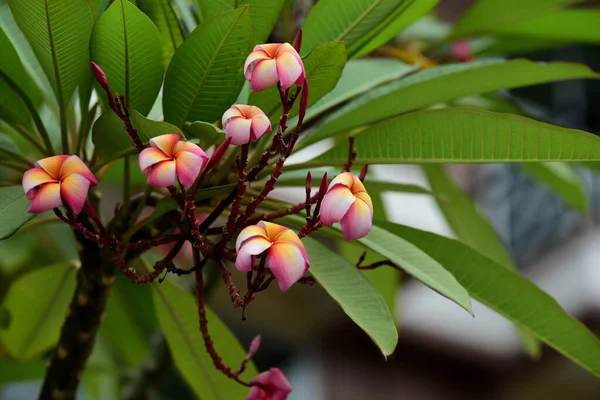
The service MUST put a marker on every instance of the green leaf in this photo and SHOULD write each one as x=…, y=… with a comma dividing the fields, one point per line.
x=442, y=84
x=127, y=46
x=178, y=316
x=510, y=295
x=403, y=16
x=473, y=229
x=4, y=318
x=13, y=210
x=205, y=74
x=465, y=135
x=347, y=20
x=59, y=33
x=564, y=181
x=564, y=25
x=415, y=262
x=490, y=15
x=263, y=13
x=353, y=292
x=323, y=68
x=7, y=146
x=11, y=372
x=162, y=13
x=37, y=302
x=206, y=133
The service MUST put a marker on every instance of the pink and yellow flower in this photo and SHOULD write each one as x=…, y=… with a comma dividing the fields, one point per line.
x=244, y=123
x=271, y=385
x=169, y=158
x=58, y=180
x=348, y=202
x=272, y=63
x=287, y=257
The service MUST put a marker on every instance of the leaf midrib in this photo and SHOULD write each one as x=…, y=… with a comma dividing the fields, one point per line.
x=359, y=20
x=126, y=49
x=57, y=77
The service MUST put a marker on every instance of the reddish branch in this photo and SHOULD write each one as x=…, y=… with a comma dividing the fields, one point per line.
x=377, y=264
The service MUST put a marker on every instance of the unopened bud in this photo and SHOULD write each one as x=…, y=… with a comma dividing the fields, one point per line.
x=100, y=77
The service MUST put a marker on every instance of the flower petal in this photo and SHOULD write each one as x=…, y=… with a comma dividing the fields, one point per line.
x=264, y=75
x=35, y=177
x=358, y=221
x=260, y=126
x=232, y=112
x=270, y=49
x=238, y=129
x=272, y=230
x=279, y=380
x=74, y=165
x=247, y=233
x=162, y=174
x=253, y=58
x=345, y=178
x=150, y=156
x=289, y=236
x=364, y=196
x=74, y=189
x=250, y=248
x=335, y=204
x=287, y=263
x=192, y=148
x=188, y=167
x=288, y=70
x=46, y=198
x=52, y=165
x=357, y=186
x=165, y=142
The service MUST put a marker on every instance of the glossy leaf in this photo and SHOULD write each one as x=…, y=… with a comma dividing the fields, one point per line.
x=353, y=292
x=59, y=33
x=263, y=13
x=127, y=46
x=473, y=229
x=323, y=68
x=11, y=372
x=205, y=74
x=37, y=302
x=13, y=210
x=466, y=135
x=206, y=133
x=489, y=15
x=7, y=146
x=441, y=84
x=178, y=317
x=510, y=295
x=418, y=264
x=564, y=181
x=162, y=13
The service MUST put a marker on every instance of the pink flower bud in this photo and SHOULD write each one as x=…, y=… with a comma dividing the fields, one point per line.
x=287, y=257
x=100, y=77
x=347, y=202
x=270, y=385
x=462, y=51
x=57, y=180
x=254, y=346
x=272, y=63
x=244, y=123
x=169, y=159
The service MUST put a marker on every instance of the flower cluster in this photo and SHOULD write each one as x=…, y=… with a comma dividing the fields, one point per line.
x=264, y=250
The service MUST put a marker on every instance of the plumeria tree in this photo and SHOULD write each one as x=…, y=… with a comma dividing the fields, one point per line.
x=198, y=169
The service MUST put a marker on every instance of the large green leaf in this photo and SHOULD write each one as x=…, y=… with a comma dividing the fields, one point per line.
x=13, y=210
x=564, y=181
x=206, y=133
x=323, y=68
x=415, y=262
x=353, y=292
x=59, y=33
x=472, y=228
x=564, y=25
x=441, y=84
x=178, y=317
x=162, y=13
x=489, y=15
x=347, y=20
x=127, y=46
x=465, y=135
x=7, y=147
x=263, y=13
x=205, y=74
x=11, y=372
x=402, y=17
x=510, y=295
x=37, y=303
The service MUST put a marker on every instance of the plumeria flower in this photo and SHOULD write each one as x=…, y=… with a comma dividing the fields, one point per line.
x=169, y=158
x=286, y=254
x=58, y=180
x=272, y=63
x=348, y=202
x=244, y=123
x=273, y=386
